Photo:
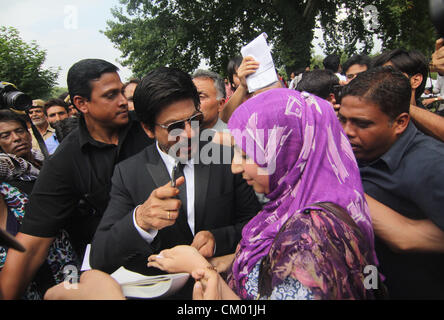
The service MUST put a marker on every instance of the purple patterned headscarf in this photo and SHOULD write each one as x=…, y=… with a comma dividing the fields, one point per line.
x=298, y=139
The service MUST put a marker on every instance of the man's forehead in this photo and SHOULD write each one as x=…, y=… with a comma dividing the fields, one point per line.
x=107, y=81
x=34, y=108
x=9, y=125
x=357, y=106
x=203, y=81
x=176, y=111
x=54, y=108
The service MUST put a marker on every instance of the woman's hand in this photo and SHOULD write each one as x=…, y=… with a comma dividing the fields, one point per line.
x=207, y=286
x=223, y=263
x=178, y=259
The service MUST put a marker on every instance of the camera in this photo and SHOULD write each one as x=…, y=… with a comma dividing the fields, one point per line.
x=10, y=97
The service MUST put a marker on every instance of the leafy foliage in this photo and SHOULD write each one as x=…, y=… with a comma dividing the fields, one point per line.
x=181, y=33
x=21, y=64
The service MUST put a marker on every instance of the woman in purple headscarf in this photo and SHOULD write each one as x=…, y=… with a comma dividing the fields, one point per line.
x=314, y=238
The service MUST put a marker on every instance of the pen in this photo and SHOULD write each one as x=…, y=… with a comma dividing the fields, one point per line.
x=173, y=174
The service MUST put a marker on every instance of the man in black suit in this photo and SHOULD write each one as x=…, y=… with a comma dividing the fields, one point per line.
x=209, y=205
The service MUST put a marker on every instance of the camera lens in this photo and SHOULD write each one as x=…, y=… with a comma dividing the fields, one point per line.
x=17, y=100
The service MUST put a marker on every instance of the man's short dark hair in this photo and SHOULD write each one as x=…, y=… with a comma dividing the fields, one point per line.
x=384, y=86
x=55, y=102
x=82, y=73
x=318, y=82
x=409, y=62
x=160, y=88
x=360, y=59
x=8, y=116
x=332, y=62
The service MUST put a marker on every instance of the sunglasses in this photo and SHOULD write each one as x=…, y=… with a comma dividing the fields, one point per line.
x=181, y=123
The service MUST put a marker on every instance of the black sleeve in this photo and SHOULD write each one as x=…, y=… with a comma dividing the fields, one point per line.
x=117, y=242
x=52, y=201
x=426, y=188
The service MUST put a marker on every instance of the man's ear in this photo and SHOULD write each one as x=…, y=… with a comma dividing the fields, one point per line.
x=401, y=122
x=81, y=103
x=221, y=105
x=416, y=80
x=147, y=130
x=331, y=98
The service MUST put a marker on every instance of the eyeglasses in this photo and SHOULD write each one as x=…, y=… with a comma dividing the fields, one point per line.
x=181, y=123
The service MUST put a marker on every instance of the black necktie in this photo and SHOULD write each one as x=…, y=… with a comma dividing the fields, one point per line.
x=182, y=193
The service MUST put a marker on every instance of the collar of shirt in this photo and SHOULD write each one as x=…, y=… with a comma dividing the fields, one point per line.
x=188, y=171
x=394, y=155
x=86, y=139
x=220, y=125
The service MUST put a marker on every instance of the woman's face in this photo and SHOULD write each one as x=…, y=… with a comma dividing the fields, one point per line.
x=255, y=176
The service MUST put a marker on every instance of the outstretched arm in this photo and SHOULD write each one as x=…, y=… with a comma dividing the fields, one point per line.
x=404, y=234
x=93, y=285
x=247, y=67
x=21, y=267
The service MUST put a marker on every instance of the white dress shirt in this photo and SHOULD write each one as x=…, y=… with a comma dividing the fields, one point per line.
x=188, y=171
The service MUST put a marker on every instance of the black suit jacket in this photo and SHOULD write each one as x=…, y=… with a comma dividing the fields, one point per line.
x=224, y=203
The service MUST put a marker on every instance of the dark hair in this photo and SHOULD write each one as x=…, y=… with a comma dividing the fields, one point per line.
x=8, y=116
x=384, y=86
x=232, y=66
x=158, y=89
x=332, y=62
x=55, y=102
x=64, y=127
x=409, y=62
x=318, y=82
x=83, y=72
x=360, y=59
x=63, y=96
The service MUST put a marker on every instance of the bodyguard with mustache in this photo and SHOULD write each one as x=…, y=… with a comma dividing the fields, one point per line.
x=207, y=208
x=403, y=169
x=72, y=189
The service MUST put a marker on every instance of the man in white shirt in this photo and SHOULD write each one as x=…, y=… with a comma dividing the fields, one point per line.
x=206, y=209
x=211, y=89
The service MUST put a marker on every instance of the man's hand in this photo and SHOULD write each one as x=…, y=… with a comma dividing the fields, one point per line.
x=204, y=242
x=93, y=285
x=161, y=209
x=438, y=56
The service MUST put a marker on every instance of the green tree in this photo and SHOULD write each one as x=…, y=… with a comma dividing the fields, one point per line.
x=406, y=24
x=181, y=33
x=21, y=64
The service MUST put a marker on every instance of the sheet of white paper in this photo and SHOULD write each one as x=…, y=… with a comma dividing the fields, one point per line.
x=266, y=73
x=85, y=263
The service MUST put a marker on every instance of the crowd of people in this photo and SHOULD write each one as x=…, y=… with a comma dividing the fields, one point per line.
x=327, y=186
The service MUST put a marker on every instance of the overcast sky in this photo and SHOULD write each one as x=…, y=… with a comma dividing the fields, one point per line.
x=67, y=30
